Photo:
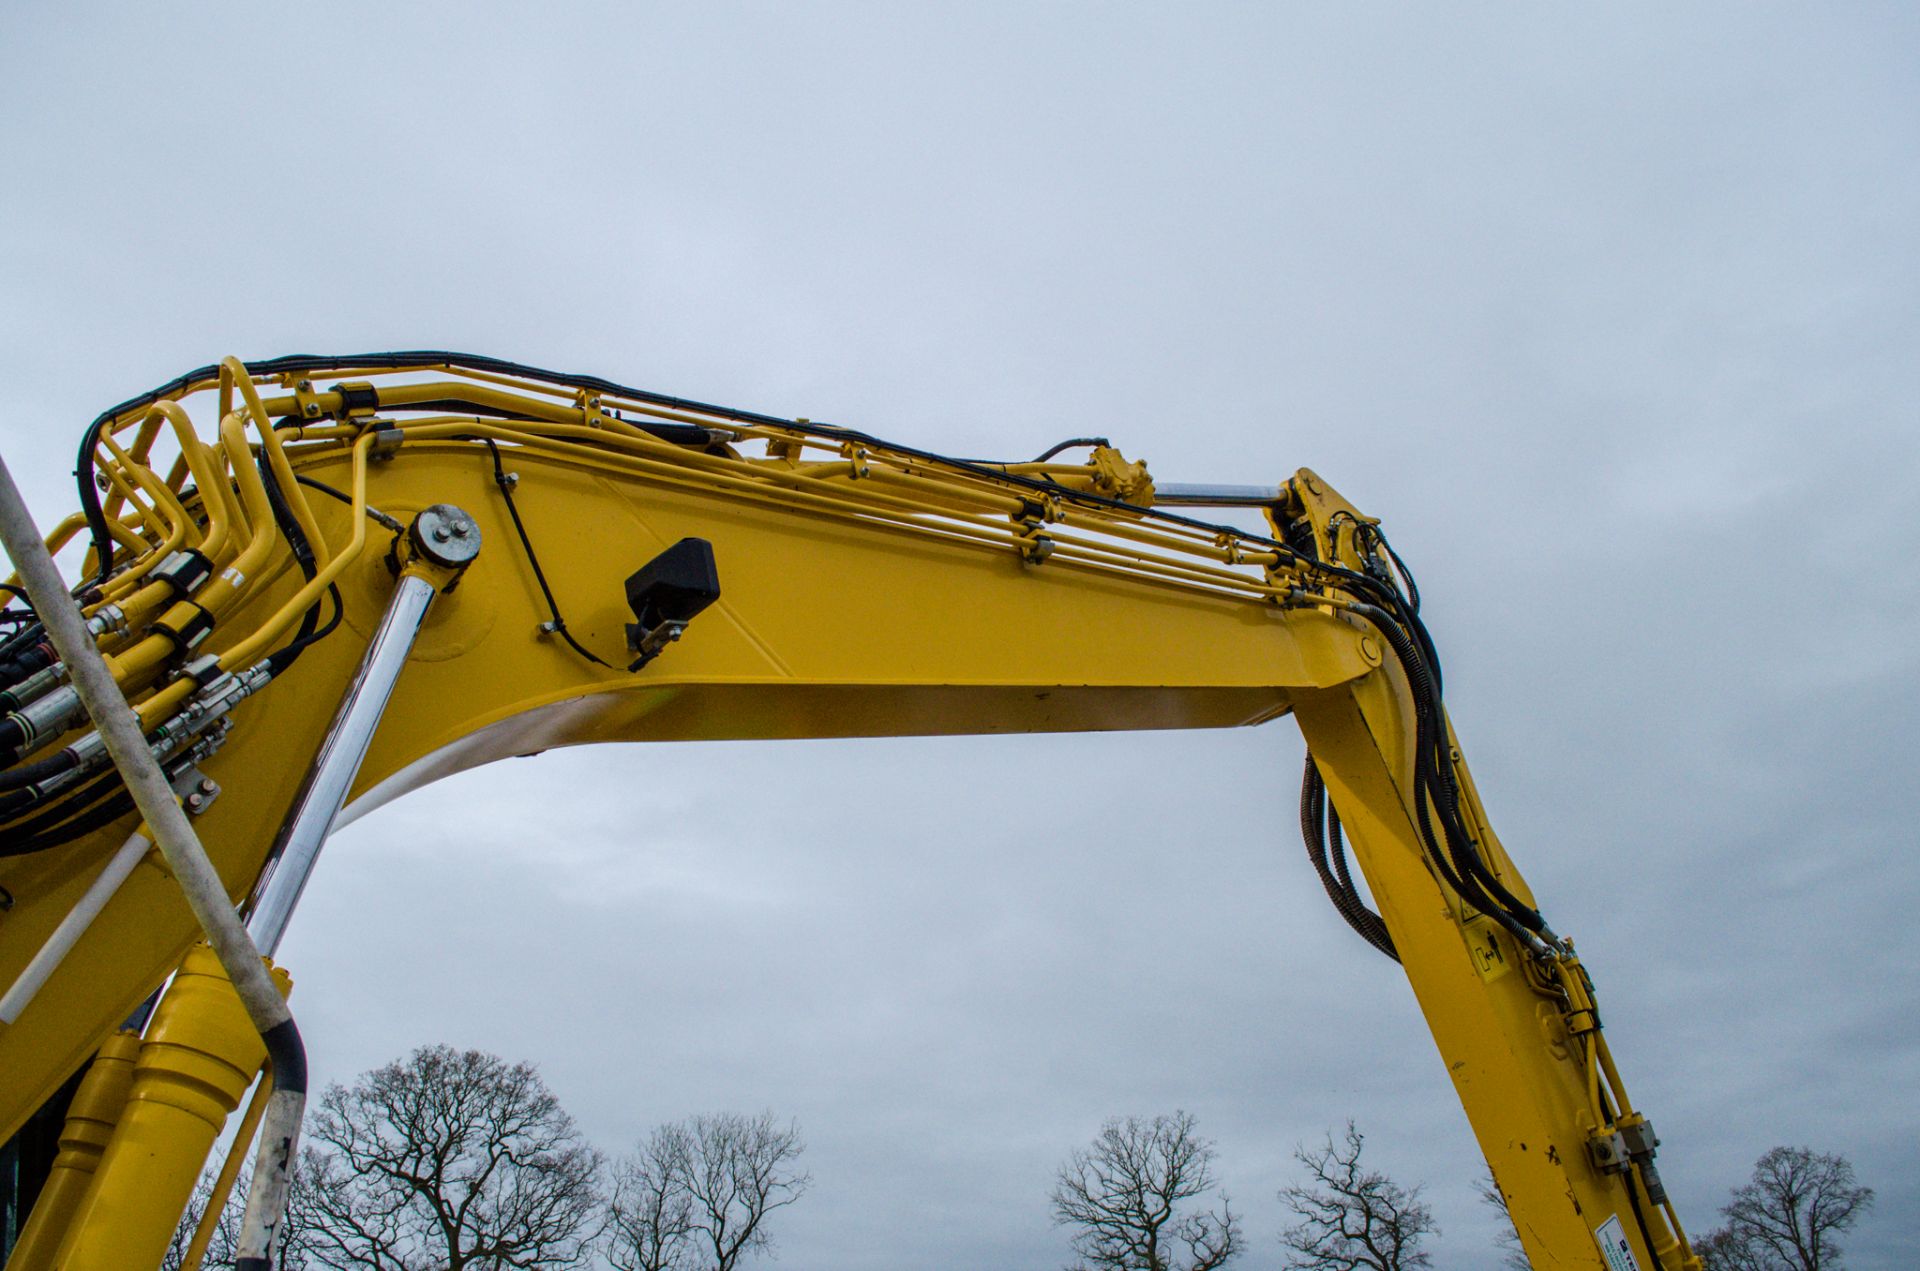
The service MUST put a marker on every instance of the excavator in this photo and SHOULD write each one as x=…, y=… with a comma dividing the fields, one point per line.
x=308, y=585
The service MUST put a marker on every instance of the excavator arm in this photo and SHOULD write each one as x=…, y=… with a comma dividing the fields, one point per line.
x=597, y=564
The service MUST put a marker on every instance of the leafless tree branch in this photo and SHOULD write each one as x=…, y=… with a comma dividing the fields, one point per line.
x=1788, y=1216
x=1351, y=1218
x=450, y=1159
x=1123, y=1197
x=697, y=1193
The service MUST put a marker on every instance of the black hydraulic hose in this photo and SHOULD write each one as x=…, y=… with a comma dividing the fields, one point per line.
x=90, y=498
x=67, y=806
x=1069, y=444
x=1406, y=575
x=1320, y=830
x=28, y=774
x=307, y=636
x=1433, y=786
x=1433, y=777
x=309, y=631
x=1337, y=853
x=38, y=657
x=29, y=633
x=100, y=803
x=1640, y=1220
x=283, y=517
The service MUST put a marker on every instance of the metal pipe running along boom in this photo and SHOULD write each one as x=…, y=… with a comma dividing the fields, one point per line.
x=661, y=569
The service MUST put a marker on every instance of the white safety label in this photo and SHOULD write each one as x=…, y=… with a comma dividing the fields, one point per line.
x=1612, y=1238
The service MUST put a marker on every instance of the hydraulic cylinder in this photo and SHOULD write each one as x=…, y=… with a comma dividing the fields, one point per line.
x=200, y=1055
x=96, y=1109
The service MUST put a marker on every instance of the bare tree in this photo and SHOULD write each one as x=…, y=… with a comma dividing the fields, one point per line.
x=449, y=1159
x=1124, y=1195
x=1721, y=1250
x=1353, y=1218
x=698, y=1192
x=1787, y=1217
x=1512, y=1256
x=650, y=1218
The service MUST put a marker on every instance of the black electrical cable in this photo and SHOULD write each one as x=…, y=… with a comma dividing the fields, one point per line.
x=559, y=624
x=374, y=514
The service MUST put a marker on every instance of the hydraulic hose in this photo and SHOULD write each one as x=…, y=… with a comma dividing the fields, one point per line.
x=1320, y=829
x=1452, y=849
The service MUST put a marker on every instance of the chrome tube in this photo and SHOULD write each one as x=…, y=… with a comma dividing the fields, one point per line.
x=304, y=831
x=1173, y=494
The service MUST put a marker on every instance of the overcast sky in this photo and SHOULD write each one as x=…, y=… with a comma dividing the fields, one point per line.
x=1612, y=315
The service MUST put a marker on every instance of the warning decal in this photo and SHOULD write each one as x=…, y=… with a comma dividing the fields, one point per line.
x=1612, y=1238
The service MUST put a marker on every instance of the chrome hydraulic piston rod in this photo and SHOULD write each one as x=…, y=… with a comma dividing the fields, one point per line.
x=449, y=539
x=1176, y=494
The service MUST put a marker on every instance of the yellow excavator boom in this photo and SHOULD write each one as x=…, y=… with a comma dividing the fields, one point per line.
x=597, y=563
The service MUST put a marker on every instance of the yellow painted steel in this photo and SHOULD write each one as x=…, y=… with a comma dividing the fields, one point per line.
x=867, y=590
x=199, y=1056
x=91, y=1118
